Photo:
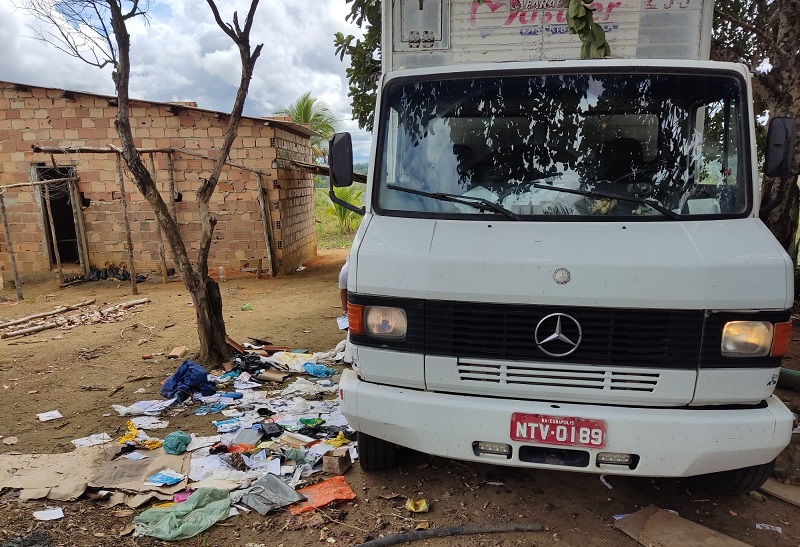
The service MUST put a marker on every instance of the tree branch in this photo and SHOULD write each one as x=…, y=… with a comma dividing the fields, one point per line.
x=771, y=42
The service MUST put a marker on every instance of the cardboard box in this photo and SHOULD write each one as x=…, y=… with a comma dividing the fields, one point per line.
x=337, y=461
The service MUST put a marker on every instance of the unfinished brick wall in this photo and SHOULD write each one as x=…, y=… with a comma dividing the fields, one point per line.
x=44, y=117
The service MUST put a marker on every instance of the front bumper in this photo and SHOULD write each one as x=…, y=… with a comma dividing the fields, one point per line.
x=668, y=442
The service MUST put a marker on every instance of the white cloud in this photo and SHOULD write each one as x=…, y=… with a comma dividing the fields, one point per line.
x=180, y=53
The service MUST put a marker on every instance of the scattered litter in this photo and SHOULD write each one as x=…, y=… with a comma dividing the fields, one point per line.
x=762, y=526
x=202, y=442
x=756, y=496
x=92, y=440
x=209, y=409
x=621, y=516
x=136, y=456
x=422, y=525
x=303, y=387
x=495, y=483
x=176, y=442
x=343, y=322
x=150, y=408
x=178, y=353
x=417, y=506
x=267, y=494
x=149, y=422
x=49, y=514
x=140, y=390
x=247, y=307
x=180, y=497
x=167, y=477
x=10, y=441
x=51, y=415
x=227, y=426
x=139, y=439
x=338, y=441
x=337, y=461
x=320, y=371
x=323, y=493
x=605, y=482
x=200, y=511
x=189, y=377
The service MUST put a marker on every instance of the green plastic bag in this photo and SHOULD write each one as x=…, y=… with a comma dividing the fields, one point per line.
x=200, y=511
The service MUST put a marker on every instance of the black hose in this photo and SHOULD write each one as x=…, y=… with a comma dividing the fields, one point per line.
x=451, y=531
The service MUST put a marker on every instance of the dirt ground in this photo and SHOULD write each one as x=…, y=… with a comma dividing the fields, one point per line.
x=79, y=371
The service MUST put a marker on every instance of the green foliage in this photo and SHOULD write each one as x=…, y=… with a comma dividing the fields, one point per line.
x=365, y=64
x=336, y=226
x=592, y=35
x=309, y=110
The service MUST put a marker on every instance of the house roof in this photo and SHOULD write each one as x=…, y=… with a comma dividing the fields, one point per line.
x=281, y=122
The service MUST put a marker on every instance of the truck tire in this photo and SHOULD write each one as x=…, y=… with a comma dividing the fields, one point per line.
x=735, y=481
x=375, y=454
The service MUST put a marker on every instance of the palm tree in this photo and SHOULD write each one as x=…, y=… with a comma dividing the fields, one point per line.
x=309, y=110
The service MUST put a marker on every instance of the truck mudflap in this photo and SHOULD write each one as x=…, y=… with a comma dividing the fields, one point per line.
x=655, y=442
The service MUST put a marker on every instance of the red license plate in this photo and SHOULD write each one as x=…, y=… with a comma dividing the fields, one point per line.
x=561, y=430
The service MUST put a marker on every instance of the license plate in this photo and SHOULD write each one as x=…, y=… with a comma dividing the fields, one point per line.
x=560, y=430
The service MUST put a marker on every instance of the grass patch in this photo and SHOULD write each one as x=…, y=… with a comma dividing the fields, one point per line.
x=336, y=225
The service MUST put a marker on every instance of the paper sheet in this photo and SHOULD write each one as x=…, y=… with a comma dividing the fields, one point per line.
x=92, y=440
x=51, y=415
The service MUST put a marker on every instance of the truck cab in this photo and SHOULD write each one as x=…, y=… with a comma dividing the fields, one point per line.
x=561, y=265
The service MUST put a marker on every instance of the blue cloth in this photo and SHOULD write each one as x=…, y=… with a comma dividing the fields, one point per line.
x=188, y=378
x=320, y=371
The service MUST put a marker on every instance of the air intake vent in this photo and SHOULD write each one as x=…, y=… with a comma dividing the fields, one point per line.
x=564, y=376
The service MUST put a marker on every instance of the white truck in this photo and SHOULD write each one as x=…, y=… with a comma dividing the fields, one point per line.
x=561, y=263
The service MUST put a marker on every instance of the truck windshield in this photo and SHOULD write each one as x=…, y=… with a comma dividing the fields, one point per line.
x=656, y=146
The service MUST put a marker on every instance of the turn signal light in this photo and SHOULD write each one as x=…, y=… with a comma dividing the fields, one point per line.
x=355, y=319
x=781, y=335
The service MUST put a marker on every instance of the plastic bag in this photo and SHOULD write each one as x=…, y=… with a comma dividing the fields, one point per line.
x=199, y=512
x=323, y=493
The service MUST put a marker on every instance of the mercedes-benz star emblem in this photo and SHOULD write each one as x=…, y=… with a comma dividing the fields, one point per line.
x=558, y=334
x=562, y=276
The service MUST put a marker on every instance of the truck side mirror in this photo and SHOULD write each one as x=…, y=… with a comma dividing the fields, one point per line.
x=340, y=160
x=340, y=168
x=780, y=145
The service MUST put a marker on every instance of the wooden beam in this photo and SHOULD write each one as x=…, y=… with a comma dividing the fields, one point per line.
x=53, y=236
x=158, y=228
x=124, y=199
x=83, y=247
x=38, y=182
x=110, y=149
x=266, y=220
x=17, y=282
x=231, y=163
x=313, y=168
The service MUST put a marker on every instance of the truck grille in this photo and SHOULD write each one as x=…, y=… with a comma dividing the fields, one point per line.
x=611, y=337
x=562, y=376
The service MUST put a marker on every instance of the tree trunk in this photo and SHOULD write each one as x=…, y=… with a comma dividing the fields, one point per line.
x=210, y=324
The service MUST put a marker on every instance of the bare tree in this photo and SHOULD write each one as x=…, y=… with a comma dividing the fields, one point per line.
x=96, y=32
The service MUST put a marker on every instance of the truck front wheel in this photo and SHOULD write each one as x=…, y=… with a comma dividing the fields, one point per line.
x=375, y=454
x=735, y=481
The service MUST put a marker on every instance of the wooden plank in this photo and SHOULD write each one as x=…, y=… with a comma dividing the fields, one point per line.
x=17, y=282
x=53, y=232
x=266, y=221
x=654, y=527
x=80, y=230
x=784, y=492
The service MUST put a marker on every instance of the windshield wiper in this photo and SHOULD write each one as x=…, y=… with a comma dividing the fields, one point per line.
x=602, y=195
x=481, y=204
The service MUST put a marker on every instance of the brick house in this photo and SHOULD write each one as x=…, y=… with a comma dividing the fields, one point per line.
x=264, y=202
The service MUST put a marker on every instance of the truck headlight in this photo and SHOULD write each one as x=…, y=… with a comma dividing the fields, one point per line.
x=385, y=322
x=746, y=338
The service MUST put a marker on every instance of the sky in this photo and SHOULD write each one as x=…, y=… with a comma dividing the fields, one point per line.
x=180, y=54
